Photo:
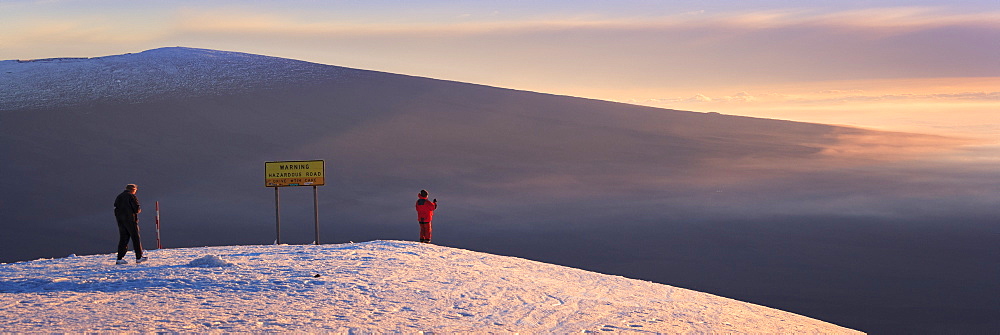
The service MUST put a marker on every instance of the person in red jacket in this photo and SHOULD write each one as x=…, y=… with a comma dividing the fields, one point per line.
x=425, y=212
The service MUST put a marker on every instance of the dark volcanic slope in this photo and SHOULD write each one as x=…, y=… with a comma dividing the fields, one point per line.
x=195, y=126
x=813, y=219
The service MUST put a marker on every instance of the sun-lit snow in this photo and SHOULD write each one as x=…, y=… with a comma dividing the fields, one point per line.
x=379, y=286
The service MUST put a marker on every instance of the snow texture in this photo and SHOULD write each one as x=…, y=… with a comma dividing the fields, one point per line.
x=210, y=261
x=154, y=74
x=372, y=287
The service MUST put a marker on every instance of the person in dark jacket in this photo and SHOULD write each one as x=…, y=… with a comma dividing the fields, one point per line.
x=425, y=212
x=127, y=214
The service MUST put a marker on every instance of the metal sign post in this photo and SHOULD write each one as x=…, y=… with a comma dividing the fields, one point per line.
x=294, y=173
x=158, y=246
x=316, y=212
x=277, y=216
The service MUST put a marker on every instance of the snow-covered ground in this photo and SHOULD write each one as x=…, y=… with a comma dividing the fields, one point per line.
x=379, y=286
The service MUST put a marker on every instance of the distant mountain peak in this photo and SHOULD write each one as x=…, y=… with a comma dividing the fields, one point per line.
x=149, y=75
x=167, y=52
x=158, y=52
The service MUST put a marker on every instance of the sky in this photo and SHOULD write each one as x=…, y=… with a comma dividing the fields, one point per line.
x=925, y=66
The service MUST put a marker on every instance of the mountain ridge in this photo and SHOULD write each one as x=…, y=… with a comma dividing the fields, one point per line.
x=177, y=72
x=173, y=60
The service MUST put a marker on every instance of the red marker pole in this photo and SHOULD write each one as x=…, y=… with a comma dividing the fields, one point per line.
x=158, y=226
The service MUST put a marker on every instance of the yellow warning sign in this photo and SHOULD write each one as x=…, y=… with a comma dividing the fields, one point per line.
x=294, y=173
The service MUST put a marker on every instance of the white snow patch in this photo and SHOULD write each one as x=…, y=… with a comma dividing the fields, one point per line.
x=371, y=287
x=210, y=261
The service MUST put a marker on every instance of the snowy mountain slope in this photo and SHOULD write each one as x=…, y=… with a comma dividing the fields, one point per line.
x=371, y=287
x=156, y=74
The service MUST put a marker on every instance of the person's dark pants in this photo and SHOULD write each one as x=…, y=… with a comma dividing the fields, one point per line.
x=425, y=231
x=128, y=228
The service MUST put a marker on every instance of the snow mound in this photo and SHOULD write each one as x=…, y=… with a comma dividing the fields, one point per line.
x=150, y=75
x=210, y=261
x=371, y=287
